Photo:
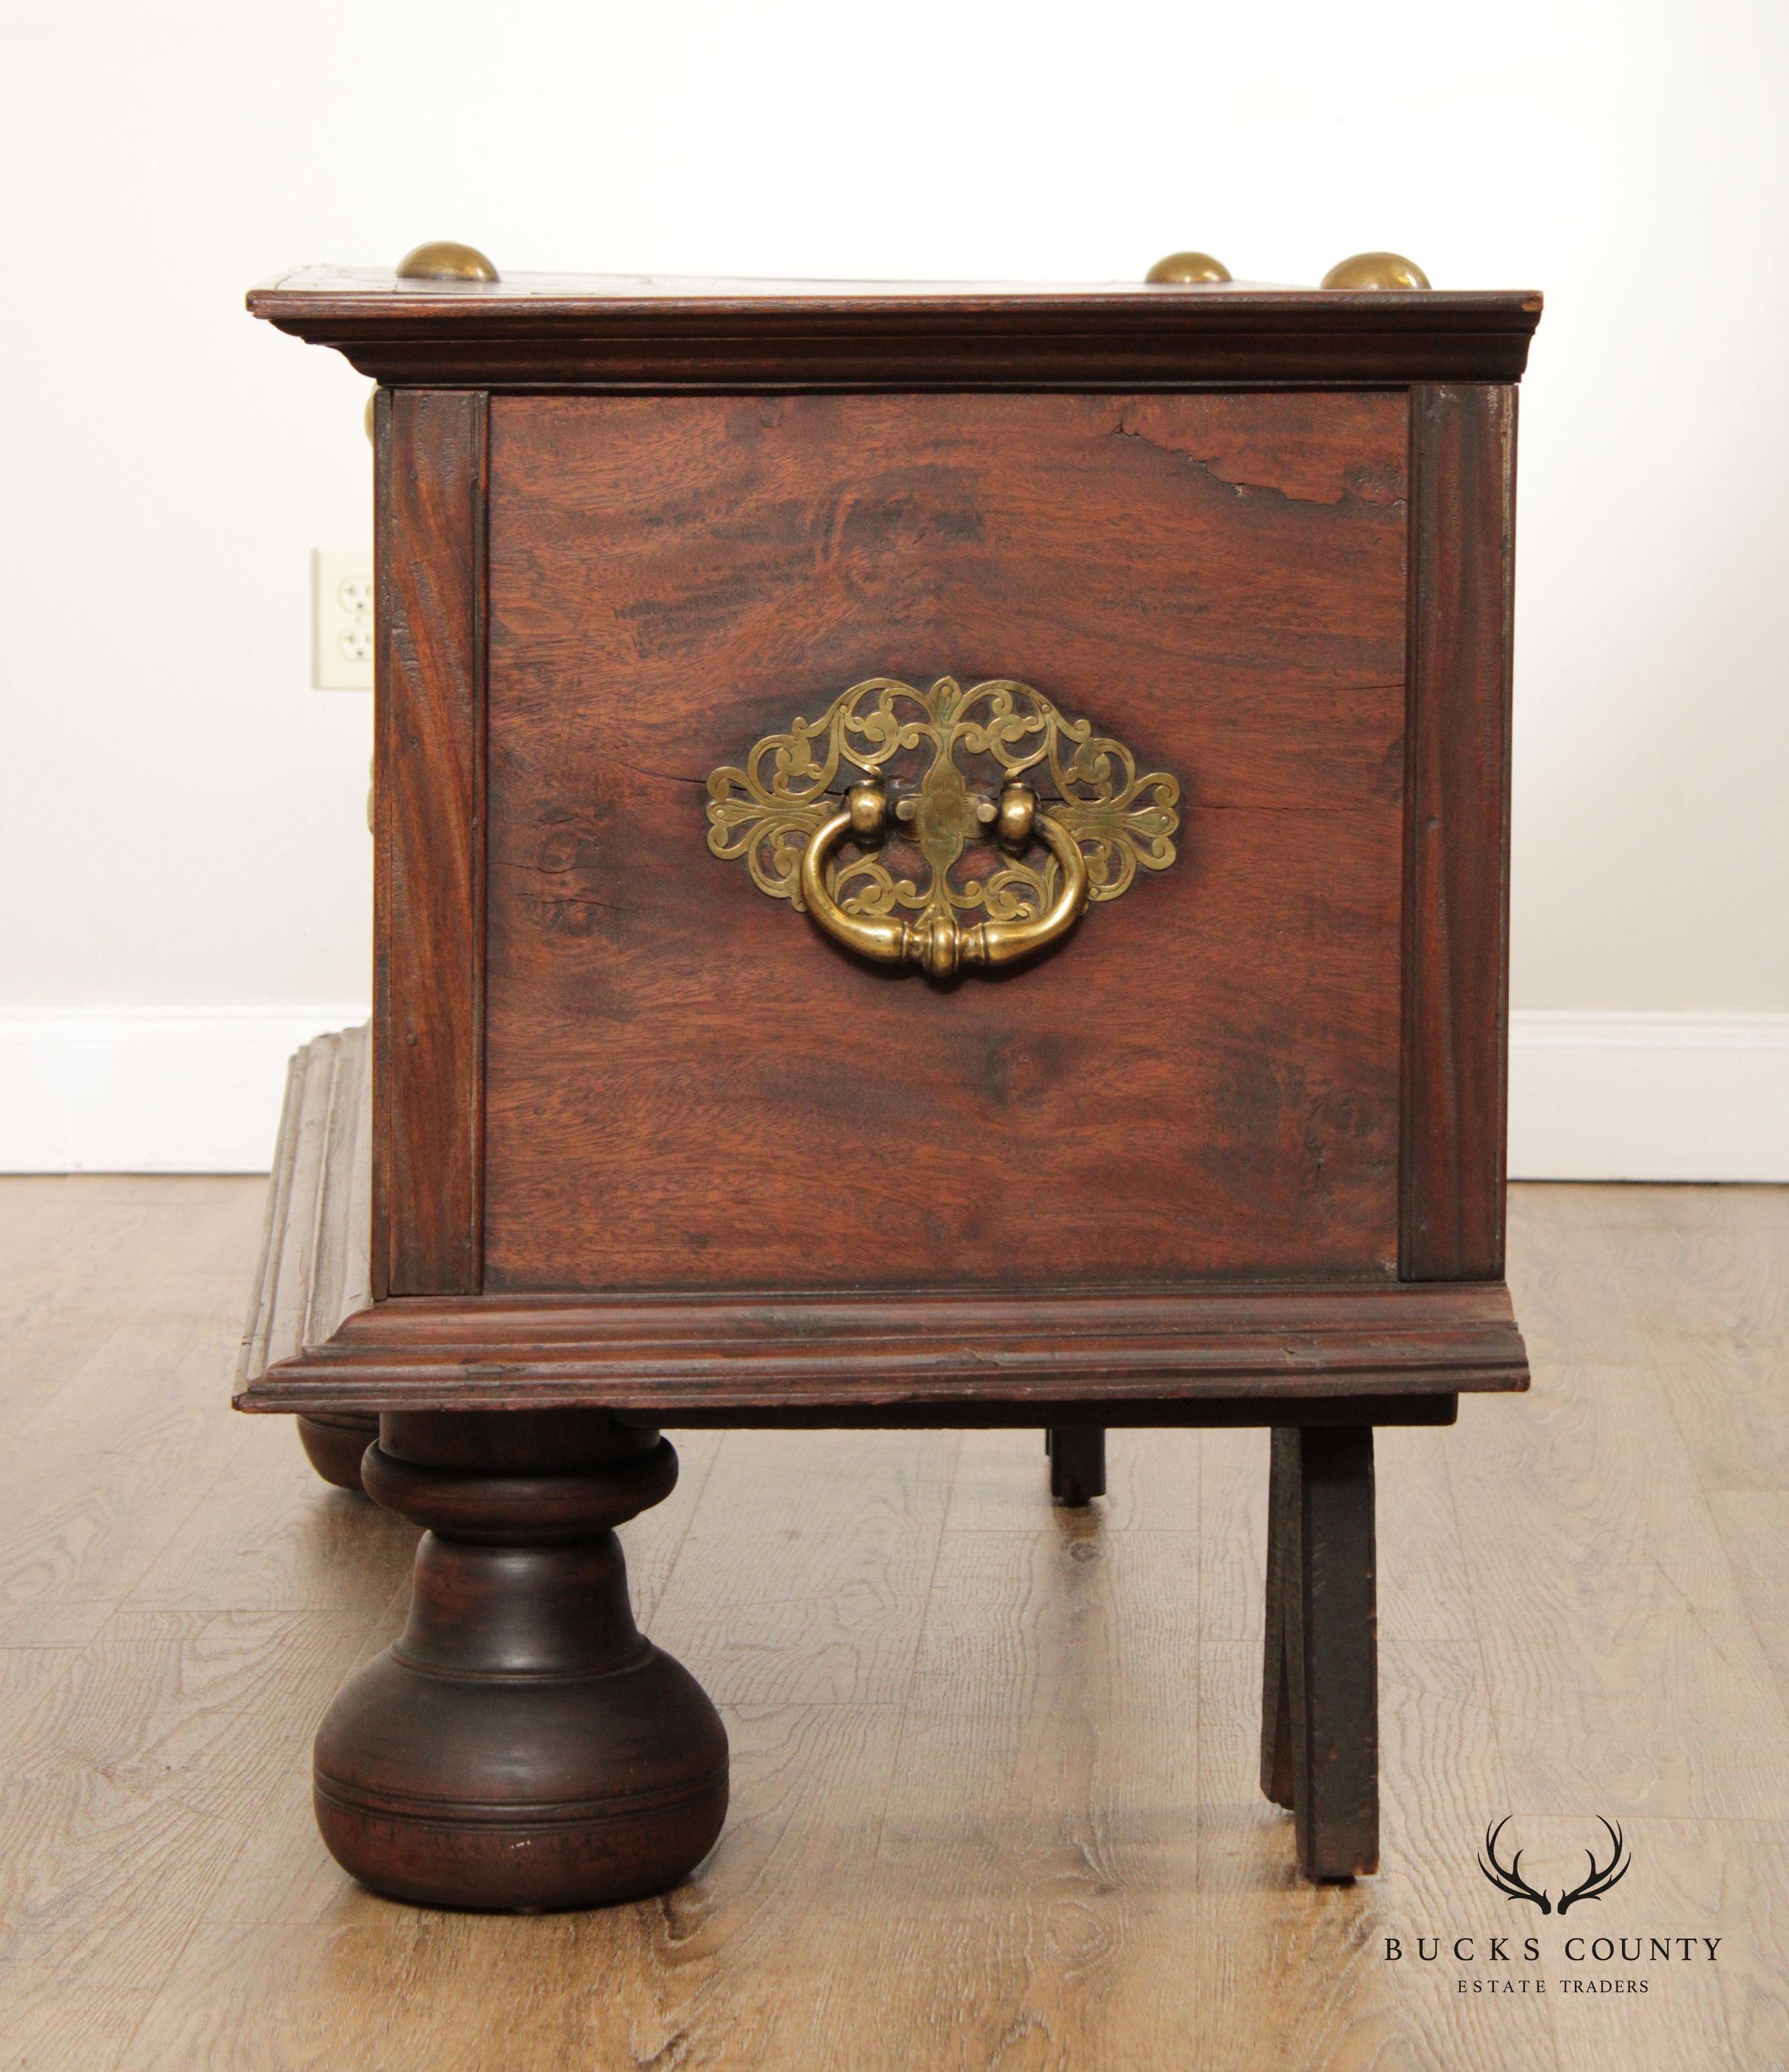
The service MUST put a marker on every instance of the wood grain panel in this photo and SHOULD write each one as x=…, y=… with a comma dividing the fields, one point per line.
x=1462, y=442
x=688, y=1087
x=429, y=908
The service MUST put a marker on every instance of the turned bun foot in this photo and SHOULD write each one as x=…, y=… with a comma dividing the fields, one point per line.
x=521, y=1746
x=334, y=1446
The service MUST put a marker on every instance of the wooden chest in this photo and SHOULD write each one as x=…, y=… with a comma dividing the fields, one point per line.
x=941, y=858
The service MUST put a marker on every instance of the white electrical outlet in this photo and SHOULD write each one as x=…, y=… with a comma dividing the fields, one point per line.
x=341, y=619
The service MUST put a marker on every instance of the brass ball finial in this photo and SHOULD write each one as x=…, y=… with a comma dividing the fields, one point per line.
x=1376, y=269
x=868, y=805
x=1187, y=270
x=445, y=260
x=1018, y=814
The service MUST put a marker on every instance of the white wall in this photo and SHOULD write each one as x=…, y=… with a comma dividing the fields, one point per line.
x=182, y=814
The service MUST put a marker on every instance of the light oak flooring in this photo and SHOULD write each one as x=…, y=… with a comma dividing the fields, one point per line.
x=993, y=1777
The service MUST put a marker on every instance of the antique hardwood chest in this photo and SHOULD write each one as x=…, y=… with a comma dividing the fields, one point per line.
x=941, y=859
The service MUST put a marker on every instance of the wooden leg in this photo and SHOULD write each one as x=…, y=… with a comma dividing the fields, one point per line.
x=1077, y=1462
x=520, y=1746
x=1321, y=1717
x=334, y=1446
x=1282, y=1538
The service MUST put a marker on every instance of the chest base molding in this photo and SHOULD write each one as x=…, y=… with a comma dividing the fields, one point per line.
x=317, y=1343
x=905, y=1352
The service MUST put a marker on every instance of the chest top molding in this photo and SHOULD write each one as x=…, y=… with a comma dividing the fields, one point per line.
x=641, y=332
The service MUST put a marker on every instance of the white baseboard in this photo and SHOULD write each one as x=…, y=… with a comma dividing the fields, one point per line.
x=1593, y=1097
x=1653, y=1096
x=149, y=1089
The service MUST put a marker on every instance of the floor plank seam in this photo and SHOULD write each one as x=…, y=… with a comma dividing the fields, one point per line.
x=918, y=1646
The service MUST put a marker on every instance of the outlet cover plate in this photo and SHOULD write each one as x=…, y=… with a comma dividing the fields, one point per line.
x=341, y=619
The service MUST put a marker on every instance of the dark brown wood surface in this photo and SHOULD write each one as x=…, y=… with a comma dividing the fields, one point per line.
x=698, y=1355
x=1077, y=1464
x=1320, y=1701
x=335, y=1445
x=1276, y=1772
x=688, y=1086
x=429, y=925
x=595, y=331
x=647, y=1148
x=1396, y=1351
x=1462, y=440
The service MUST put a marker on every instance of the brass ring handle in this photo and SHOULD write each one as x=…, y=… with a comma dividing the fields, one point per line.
x=937, y=940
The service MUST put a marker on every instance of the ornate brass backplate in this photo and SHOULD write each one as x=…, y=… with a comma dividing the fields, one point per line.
x=942, y=772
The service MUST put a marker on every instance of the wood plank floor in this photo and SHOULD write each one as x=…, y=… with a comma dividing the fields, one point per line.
x=994, y=1801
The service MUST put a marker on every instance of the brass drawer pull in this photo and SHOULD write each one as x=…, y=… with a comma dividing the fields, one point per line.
x=880, y=766
x=938, y=939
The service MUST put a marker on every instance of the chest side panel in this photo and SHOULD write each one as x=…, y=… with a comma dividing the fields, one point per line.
x=686, y=1087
